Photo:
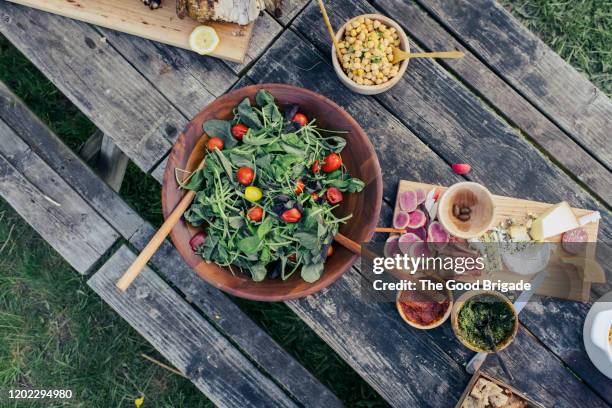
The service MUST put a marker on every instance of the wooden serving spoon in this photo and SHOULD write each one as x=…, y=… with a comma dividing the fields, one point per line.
x=400, y=55
x=139, y=263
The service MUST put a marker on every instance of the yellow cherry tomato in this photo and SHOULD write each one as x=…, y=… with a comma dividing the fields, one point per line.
x=253, y=194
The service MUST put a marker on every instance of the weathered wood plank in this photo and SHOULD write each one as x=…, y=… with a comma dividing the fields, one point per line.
x=416, y=161
x=530, y=66
x=255, y=342
x=45, y=144
x=290, y=9
x=188, y=80
x=265, y=31
x=97, y=80
x=185, y=339
x=503, y=97
x=50, y=206
x=457, y=125
x=566, y=340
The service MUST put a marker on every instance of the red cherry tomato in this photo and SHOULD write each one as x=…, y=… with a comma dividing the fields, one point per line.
x=299, y=187
x=215, y=143
x=330, y=251
x=197, y=241
x=245, y=175
x=292, y=215
x=300, y=119
x=315, y=167
x=332, y=162
x=239, y=130
x=255, y=214
x=292, y=257
x=314, y=196
x=333, y=195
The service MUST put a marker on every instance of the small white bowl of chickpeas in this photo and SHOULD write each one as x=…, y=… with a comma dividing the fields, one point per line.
x=366, y=45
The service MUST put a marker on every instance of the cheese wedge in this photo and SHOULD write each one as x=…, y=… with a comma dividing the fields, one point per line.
x=556, y=220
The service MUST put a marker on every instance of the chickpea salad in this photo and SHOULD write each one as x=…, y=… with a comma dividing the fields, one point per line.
x=367, y=51
x=266, y=195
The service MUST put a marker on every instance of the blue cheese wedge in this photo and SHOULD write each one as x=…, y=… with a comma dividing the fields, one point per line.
x=556, y=220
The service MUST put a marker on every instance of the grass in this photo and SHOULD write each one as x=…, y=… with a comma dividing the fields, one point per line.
x=580, y=31
x=56, y=331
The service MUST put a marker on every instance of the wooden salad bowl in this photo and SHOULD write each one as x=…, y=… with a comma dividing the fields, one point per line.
x=358, y=156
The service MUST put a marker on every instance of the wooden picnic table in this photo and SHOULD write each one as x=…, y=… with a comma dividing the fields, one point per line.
x=530, y=125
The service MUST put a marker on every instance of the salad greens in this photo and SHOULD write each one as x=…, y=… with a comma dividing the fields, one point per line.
x=292, y=166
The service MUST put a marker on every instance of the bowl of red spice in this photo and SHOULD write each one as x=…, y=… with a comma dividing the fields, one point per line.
x=425, y=309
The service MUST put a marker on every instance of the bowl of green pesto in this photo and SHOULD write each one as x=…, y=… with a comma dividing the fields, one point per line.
x=477, y=313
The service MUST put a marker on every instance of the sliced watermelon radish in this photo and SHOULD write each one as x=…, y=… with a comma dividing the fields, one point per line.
x=406, y=240
x=417, y=219
x=419, y=249
x=419, y=232
x=408, y=201
x=391, y=247
x=401, y=220
x=437, y=234
x=420, y=196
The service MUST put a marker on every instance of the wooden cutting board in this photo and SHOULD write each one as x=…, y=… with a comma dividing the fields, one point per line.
x=517, y=208
x=162, y=25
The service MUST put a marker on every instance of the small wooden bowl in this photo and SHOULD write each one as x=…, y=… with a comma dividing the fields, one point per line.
x=480, y=201
x=449, y=295
x=371, y=89
x=460, y=302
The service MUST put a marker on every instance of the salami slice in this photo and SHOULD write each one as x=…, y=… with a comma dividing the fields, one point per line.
x=574, y=241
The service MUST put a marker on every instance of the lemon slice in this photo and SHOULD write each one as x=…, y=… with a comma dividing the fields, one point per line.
x=203, y=40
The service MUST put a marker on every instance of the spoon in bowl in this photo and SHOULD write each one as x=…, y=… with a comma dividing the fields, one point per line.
x=400, y=55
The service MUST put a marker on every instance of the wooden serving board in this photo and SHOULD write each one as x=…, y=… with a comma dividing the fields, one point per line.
x=507, y=207
x=162, y=25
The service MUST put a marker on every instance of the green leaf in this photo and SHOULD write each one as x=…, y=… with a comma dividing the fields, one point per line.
x=227, y=165
x=195, y=181
x=248, y=116
x=307, y=240
x=235, y=222
x=258, y=272
x=263, y=98
x=222, y=129
x=240, y=161
x=265, y=227
x=249, y=245
x=312, y=272
x=334, y=143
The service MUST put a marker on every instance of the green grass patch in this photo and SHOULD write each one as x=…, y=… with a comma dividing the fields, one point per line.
x=579, y=31
x=56, y=332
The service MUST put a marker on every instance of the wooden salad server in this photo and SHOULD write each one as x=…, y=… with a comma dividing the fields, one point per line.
x=400, y=55
x=139, y=263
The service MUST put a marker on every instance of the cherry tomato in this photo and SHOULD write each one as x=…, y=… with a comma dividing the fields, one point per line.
x=253, y=194
x=315, y=168
x=197, y=241
x=314, y=196
x=245, y=175
x=299, y=187
x=330, y=251
x=333, y=195
x=300, y=119
x=292, y=215
x=215, y=143
x=255, y=214
x=292, y=257
x=239, y=130
x=332, y=162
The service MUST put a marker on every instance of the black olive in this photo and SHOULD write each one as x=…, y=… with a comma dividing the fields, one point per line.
x=274, y=270
x=290, y=111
